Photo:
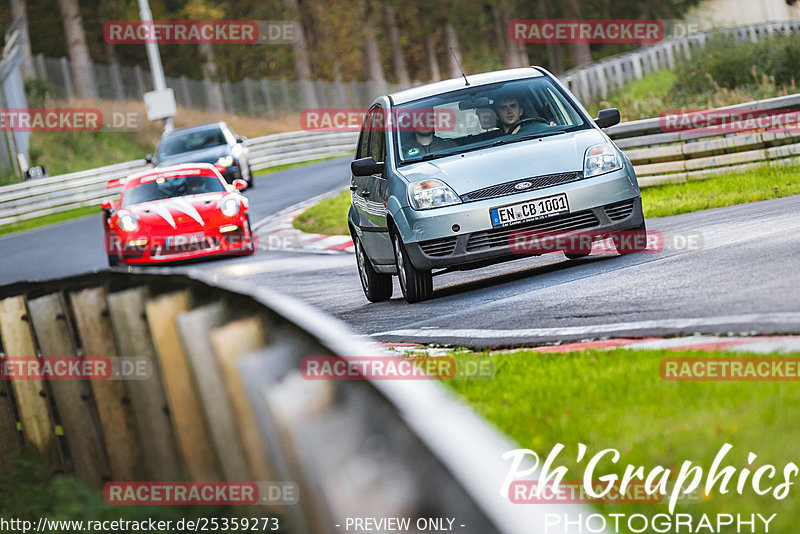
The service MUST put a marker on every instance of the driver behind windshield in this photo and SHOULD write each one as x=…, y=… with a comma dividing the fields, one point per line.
x=424, y=140
x=509, y=111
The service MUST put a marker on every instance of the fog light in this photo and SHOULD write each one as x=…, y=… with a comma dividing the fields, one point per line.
x=137, y=242
x=228, y=228
x=456, y=228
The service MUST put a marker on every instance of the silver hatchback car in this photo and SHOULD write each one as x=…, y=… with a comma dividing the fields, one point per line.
x=447, y=174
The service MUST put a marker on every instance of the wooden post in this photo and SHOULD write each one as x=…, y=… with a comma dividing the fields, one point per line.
x=153, y=423
x=229, y=343
x=194, y=327
x=184, y=403
x=10, y=439
x=113, y=406
x=73, y=402
x=32, y=397
x=267, y=97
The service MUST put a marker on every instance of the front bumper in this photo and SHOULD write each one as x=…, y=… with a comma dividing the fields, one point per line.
x=485, y=247
x=237, y=242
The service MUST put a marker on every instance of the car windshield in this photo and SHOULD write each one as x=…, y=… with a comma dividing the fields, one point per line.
x=177, y=186
x=474, y=118
x=180, y=142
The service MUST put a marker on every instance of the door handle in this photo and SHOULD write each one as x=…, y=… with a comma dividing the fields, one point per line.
x=353, y=187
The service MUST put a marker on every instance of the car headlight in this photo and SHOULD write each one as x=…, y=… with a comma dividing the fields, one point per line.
x=225, y=161
x=431, y=194
x=128, y=223
x=601, y=159
x=230, y=206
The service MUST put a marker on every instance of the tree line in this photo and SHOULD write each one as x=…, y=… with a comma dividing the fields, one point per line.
x=381, y=41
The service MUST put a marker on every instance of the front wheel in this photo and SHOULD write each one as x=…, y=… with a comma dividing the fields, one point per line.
x=416, y=285
x=377, y=286
x=113, y=261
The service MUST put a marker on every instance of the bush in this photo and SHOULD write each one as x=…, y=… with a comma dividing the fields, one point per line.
x=728, y=63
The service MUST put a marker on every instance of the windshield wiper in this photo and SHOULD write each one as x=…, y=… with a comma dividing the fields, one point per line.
x=506, y=140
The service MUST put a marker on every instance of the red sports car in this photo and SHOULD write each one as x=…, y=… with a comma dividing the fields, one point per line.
x=176, y=213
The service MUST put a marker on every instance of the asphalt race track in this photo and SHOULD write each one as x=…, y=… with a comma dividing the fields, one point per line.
x=726, y=270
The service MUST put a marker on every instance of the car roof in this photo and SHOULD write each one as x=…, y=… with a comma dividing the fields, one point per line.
x=195, y=128
x=454, y=84
x=169, y=172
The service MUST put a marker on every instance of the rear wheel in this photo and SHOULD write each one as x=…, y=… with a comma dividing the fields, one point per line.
x=416, y=285
x=631, y=241
x=377, y=286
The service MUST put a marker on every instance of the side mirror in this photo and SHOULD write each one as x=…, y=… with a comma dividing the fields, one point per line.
x=239, y=184
x=241, y=139
x=107, y=205
x=366, y=167
x=149, y=158
x=607, y=117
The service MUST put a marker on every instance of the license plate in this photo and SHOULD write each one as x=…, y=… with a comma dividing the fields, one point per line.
x=185, y=240
x=530, y=210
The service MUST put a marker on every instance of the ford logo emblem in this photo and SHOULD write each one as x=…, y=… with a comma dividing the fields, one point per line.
x=522, y=185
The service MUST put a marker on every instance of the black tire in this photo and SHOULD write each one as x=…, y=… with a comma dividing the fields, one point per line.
x=377, y=286
x=416, y=285
x=631, y=241
x=576, y=255
x=113, y=261
x=252, y=249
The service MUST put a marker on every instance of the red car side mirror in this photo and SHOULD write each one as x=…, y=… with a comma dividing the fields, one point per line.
x=107, y=205
x=239, y=184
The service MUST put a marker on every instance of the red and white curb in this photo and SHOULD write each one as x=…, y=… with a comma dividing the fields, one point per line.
x=278, y=233
x=754, y=344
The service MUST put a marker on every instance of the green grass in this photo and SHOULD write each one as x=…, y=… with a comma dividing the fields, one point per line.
x=617, y=399
x=328, y=217
x=48, y=219
x=68, y=152
x=725, y=190
x=638, y=99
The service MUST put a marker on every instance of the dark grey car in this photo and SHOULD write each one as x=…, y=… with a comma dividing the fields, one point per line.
x=213, y=143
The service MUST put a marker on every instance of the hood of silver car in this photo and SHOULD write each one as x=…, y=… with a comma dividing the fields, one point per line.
x=506, y=163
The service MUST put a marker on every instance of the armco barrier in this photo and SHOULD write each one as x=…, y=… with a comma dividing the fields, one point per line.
x=658, y=157
x=226, y=401
x=46, y=196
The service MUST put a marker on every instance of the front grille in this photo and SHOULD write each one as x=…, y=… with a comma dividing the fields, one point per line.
x=206, y=244
x=537, y=182
x=439, y=247
x=499, y=237
x=620, y=210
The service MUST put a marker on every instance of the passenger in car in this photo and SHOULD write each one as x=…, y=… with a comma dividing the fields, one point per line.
x=424, y=141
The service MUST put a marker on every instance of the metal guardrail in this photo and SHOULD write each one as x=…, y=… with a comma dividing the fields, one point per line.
x=226, y=401
x=35, y=198
x=658, y=156
x=661, y=156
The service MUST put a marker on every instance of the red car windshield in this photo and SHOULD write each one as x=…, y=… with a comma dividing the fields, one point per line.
x=177, y=186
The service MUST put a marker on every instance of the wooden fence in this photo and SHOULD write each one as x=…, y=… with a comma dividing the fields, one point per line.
x=225, y=401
